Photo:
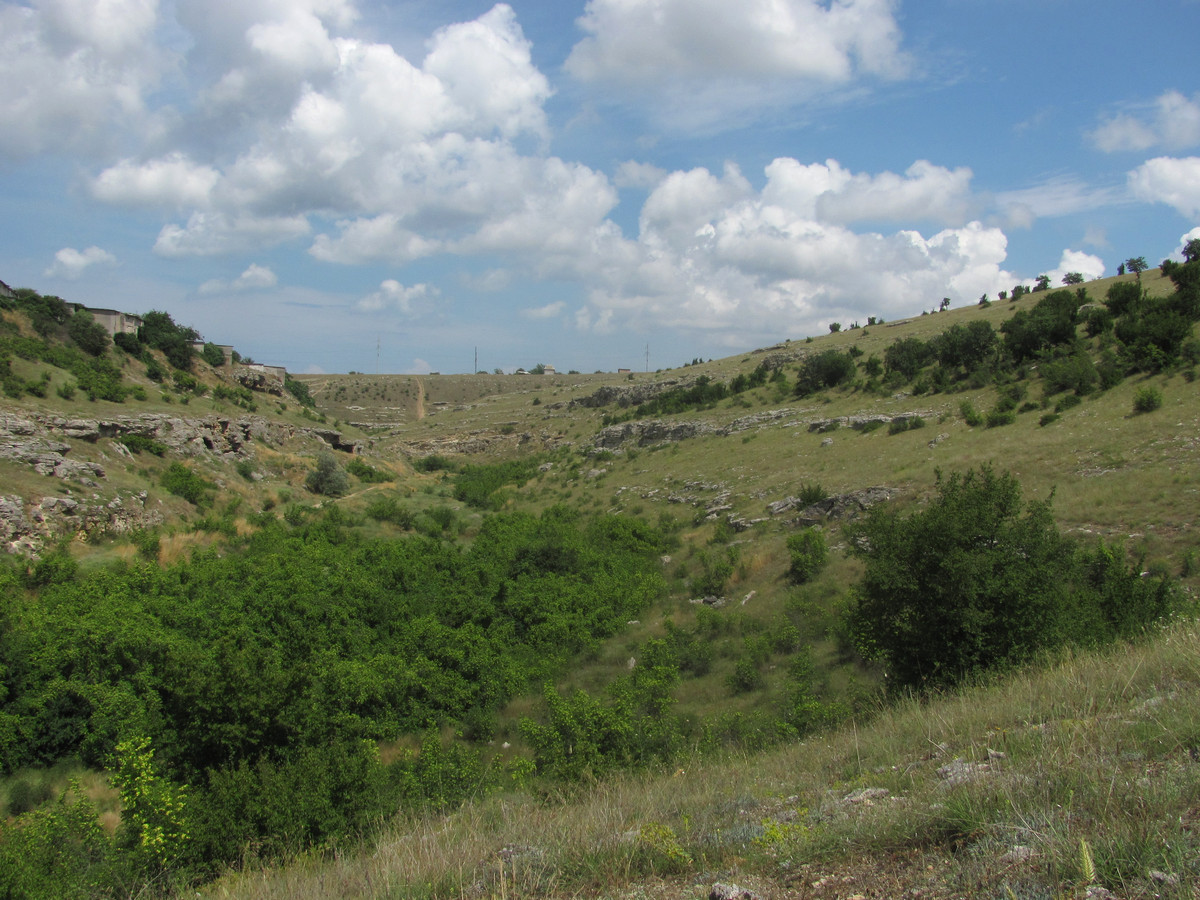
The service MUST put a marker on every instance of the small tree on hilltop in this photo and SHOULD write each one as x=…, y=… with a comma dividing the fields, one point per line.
x=1073, y=278
x=1136, y=265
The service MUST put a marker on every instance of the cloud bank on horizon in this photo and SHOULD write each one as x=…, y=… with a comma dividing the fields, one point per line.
x=567, y=182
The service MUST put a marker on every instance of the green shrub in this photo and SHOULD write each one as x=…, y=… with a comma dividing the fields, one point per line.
x=717, y=568
x=181, y=481
x=212, y=354
x=387, y=509
x=1068, y=402
x=365, y=472
x=970, y=415
x=1147, y=399
x=88, y=334
x=808, y=553
x=433, y=463
x=998, y=417
x=824, y=370
x=327, y=478
x=745, y=677
x=811, y=492
x=978, y=578
x=139, y=442
x=299, y=390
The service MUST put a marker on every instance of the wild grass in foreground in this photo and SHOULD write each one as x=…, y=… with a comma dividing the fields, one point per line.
x=1083, y=773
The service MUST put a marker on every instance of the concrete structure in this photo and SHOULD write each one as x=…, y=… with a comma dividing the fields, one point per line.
x=114, y=321
x=273, y=371
x=227, y=349
x=6, y=292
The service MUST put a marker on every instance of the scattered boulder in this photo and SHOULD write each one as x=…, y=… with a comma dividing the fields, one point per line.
x=962, y=772
x=867, y=795
x=731, y=892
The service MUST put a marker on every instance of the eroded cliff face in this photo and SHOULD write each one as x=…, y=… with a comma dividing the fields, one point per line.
x=76, y=499
x=28, y=526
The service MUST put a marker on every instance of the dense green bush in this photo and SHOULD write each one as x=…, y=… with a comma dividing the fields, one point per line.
x=183, y=482
x=478, y=485
x=978, y=578
x=1147, y=399
x=906, y=357
x=824, y=370
x=90, y=336
x=160, y=332
x=365, y=472
x=808, y=554
x=388, y=509
x=139, y=442
x=433, y=463
x=249, y=688
x=212, y=354
x=327, y=477
x=299, y=390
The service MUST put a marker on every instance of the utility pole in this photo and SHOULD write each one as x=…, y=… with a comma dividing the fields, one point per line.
x=376, y=354
x=647, y=357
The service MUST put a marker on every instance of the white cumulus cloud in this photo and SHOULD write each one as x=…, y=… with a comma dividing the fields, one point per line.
x=74, y=74
x=715, y=255
x=394, y=295
x=1175, y=182
x=172, y=181
x=549, y=311
x=702, y=66
x=640, y=41
x=1086, y=264
x=71, y=263
x=255, y=278
x=1172, y=121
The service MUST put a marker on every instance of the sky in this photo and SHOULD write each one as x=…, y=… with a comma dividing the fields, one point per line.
x=424, y=186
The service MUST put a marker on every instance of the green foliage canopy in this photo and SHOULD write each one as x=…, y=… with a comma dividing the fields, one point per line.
x=978, y=578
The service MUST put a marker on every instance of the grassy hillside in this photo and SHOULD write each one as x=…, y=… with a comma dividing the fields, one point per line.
x=1089, y=776
x=1061, y=781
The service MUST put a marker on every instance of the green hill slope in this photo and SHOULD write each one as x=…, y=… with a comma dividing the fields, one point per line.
x=356, y=604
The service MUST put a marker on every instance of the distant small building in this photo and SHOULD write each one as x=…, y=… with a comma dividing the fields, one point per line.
x=549, y=370
x=6, y=292
x=624, y=371
x=113, y=320
x=273, y=371
x=227, y=349
x=521, y=372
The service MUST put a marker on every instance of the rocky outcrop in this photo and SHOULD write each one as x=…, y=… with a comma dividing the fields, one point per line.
x=646, y=432
x=858, y=423
x=30, y=439
x=483, y=441
x=624, y=397
x=27, y=527
x=263, y=382
x=650, y=431
x=838, y=507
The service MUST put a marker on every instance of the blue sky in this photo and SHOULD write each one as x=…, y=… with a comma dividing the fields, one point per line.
x=335, y=185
